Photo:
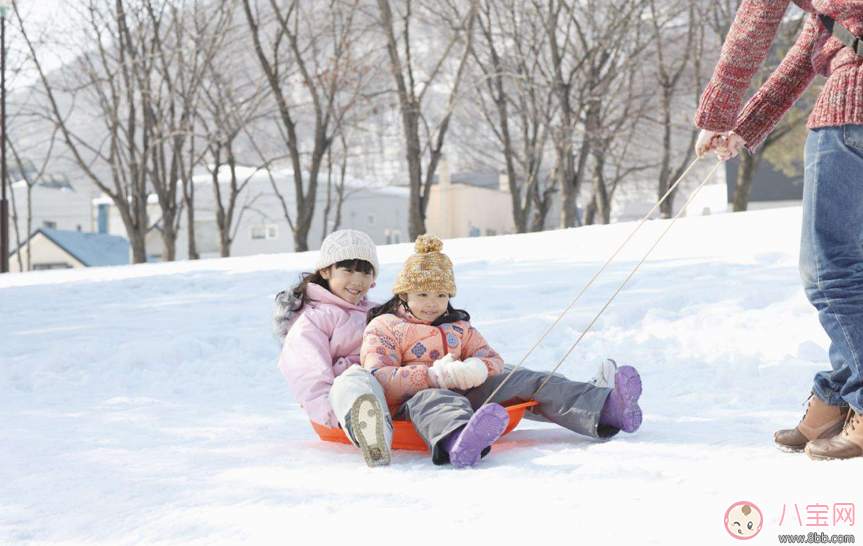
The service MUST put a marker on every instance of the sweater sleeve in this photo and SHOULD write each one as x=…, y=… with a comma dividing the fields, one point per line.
x=746, y=46
x=306, y=363
x=781, y=90
x=381, y=356
x=476, y=346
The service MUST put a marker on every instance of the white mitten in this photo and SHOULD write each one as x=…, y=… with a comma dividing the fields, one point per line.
x=441, y=373
x=471, y=373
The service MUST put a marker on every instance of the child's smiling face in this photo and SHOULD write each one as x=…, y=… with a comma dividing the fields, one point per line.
x=427, y=305
x=348, y=284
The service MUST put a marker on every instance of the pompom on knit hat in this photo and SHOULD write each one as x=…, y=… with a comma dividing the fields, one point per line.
x=429, y=270
x=347, y=244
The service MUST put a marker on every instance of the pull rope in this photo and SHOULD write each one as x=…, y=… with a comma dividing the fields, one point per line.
x=598, y=273
x=682, y=210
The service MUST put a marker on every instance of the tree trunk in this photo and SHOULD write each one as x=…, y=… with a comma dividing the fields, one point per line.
x=169, y=240
x=590, y=212
x=600, y=202
x=542, y=205
x=169, y=235
x=189, y=198
x=416, y=210
x=328, y=206
x=138, y=241
x=224, y=235
x=745, y=177
x=29, y=225
x=667, y=207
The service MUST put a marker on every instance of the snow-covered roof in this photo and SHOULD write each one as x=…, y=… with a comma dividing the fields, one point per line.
x=282, y=177
x=259, y=176
x=488, y=179
x=58, y=183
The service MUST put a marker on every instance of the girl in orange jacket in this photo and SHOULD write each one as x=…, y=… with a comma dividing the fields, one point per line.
x=437, y=370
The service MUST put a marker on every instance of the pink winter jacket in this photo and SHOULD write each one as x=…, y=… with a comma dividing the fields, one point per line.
x=398, y=350
x=322, y=342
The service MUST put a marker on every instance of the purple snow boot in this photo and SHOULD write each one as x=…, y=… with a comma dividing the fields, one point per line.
x=621, y=407
x=467, y=444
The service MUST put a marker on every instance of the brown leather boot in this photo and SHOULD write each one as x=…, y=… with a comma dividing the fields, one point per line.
x=819, y=421
x=847, y=445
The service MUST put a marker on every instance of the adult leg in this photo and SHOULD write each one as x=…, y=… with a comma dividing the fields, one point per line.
x=832, y=268
x=831, y=256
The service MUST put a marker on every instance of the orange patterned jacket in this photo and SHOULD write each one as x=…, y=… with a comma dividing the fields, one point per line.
x=398, y=350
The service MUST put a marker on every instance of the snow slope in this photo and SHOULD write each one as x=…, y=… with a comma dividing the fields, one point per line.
x=142, y=405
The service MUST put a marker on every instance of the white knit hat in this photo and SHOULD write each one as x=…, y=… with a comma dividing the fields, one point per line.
x=347, y=244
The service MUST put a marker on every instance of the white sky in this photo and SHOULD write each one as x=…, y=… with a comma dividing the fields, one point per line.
x=53, y=18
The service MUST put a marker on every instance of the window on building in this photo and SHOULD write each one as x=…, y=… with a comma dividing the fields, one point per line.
x=206, y=236
x=44, y=267
x=491, y=232
x=393, y=236
x=474, y=232
x=372, y=219
x=49, y=224
x=264, y=231
x=259, y=232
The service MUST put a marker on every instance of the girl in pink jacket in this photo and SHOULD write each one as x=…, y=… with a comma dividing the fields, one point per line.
x=437, y=371
x=320, y=322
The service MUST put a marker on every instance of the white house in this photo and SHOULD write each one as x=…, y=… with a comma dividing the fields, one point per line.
x=259, y=224
x=53, y=203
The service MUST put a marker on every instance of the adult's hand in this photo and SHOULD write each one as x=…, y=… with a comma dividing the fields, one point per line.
x=730, y=147
x=708, y=141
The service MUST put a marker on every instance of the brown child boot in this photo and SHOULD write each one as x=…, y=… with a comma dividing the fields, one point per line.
x=819, y=421
x=847, y=445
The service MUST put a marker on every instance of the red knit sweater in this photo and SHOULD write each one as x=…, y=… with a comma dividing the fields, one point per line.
x=815, y=52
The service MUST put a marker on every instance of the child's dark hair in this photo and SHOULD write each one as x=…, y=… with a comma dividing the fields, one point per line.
x=300, y=297
x=395, y=304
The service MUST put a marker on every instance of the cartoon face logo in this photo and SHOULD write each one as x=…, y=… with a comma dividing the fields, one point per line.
x=743, y=520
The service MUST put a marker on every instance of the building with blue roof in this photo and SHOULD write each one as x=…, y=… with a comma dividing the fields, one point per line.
x=49, y=248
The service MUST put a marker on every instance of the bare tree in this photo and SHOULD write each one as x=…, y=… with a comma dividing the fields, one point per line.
x=337, y=189
x=674, y=34
x=515, y=105
x=115, y=160
x=32, y=149
x=184, y=37
x=30, y=182
x=563, y=76
x=424, y=137
x=316, y=48
x=617, y=125
x=232, y=101
x=584, y=42
x=138, y=77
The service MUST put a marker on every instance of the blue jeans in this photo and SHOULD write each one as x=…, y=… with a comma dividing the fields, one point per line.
x=831, y=256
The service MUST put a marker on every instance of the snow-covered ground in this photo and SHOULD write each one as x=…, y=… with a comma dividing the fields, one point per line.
x=142, y=405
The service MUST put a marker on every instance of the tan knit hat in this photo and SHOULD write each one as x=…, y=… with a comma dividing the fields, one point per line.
x=429, y=270
x=347, y=244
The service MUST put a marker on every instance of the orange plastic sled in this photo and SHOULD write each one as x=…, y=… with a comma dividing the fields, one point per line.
x=405, y=435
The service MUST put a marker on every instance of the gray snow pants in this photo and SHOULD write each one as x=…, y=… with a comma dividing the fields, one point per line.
x=436, y=413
